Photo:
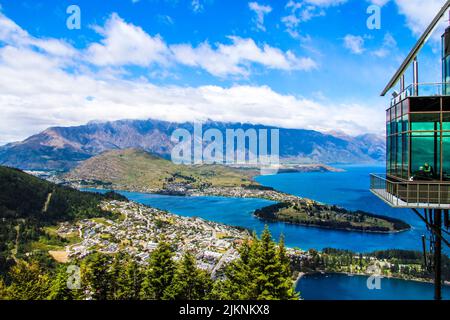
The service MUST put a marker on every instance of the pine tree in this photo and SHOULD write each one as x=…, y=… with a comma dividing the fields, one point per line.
x=128, y=282
x=96, y=279
x=160, y=272
x=59, y=289
x=28, y=282
x=189, y=282
x=285, y=289
x=3, y=290
x=262, y=272
x=267, y=267
x=238, y=283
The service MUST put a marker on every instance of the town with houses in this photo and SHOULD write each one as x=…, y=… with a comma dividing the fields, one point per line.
x=138, y=229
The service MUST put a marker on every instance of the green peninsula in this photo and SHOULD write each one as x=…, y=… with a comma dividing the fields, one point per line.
x=139, y=171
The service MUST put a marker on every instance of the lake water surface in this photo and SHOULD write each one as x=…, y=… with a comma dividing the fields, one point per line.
x=349, y=189
x=344, y=287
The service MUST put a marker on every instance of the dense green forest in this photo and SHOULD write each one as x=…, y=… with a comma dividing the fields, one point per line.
x=28, y=204
x=261, y=273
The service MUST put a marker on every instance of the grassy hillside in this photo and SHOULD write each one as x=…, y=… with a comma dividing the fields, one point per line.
x=137, y=169
x=29, y=205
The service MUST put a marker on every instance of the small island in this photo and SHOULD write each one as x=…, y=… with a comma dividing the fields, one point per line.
x=138, y=171
x=309, y=213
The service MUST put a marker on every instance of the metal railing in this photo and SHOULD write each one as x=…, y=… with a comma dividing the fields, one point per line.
x=423, y=90
x=411, y=194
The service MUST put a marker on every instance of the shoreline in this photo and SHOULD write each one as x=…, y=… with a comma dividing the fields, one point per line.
x=350, y=274
x=331, y=228
x=265, y=193
x=197, y=193
x=302, y=274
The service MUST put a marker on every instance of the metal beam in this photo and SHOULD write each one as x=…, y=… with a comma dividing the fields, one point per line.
x=415, y=51
x=438, y=256
x=433, y=229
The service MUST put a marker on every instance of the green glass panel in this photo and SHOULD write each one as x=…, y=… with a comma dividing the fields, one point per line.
x=425, y=121
x=405, y=123
x=392, y=128
x=446, y=157
x=425, y=149
x=446, y=121
x=392, y=153
x=399, y=156
x=388, y=155
x=405, y=155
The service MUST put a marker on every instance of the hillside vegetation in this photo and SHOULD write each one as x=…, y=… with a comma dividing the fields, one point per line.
x=332, y=217
x=28, y=205
x=134, y=169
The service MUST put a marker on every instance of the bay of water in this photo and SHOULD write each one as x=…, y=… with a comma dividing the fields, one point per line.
x=344, y=287
x=349, y=189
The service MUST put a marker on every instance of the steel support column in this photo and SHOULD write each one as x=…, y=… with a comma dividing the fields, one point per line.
x=437, y=255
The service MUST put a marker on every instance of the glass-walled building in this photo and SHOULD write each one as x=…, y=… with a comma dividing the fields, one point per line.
x=418, y=140
x=418, y=136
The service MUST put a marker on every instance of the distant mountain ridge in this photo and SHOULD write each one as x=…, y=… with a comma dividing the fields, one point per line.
x=63, y=148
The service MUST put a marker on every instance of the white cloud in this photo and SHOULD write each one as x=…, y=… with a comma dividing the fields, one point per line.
x=126, y=44
x=37, y=92
x=380, y=3
x=234, y=59
x=303, y=11
x=419, y=15
x=196, y=5
x=11, y=33
x=389, y=44
x=354, y=43
x=260, y=11
x=326, y=3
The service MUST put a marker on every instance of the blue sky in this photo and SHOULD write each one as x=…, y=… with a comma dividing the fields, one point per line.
x=310, y=64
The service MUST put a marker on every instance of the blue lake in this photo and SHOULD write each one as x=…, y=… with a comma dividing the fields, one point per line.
x=348, y=189
x=344, y=287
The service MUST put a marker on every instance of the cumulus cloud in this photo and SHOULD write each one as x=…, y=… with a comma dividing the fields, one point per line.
x=233, y=59
x=11, y=33
x=303, y=11
x=419, y=15
x=389, y=44
x=126, y=44
x=260, y=12
x=354, y=43
x=37, y=91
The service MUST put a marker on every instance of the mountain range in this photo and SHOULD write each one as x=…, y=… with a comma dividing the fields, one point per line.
x=63, y=148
